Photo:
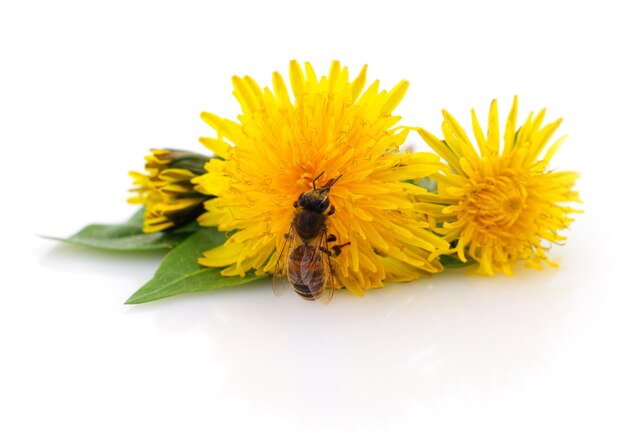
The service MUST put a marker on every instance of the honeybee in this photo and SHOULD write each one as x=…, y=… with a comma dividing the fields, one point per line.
x=305, y=258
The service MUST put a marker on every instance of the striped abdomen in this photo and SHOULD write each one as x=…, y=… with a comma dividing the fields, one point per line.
x=307, y=272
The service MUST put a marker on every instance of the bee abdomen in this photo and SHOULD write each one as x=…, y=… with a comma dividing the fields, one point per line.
x=307, y=274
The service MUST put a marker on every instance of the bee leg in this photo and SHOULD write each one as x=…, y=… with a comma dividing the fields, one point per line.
x=331, y=238
x=295, y=204
x=331, y=211
x=334, y=251
x=337, y=249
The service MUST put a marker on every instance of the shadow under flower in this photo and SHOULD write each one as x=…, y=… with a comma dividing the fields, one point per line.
x=137, y=266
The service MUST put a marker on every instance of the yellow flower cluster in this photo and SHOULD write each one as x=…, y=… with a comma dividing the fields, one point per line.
x=331, y=127
x=165, y=189
x=494, y=204
x=500, y=203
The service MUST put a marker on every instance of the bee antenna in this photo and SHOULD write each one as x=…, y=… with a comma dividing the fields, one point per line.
x=316, y=178
x=332, y=183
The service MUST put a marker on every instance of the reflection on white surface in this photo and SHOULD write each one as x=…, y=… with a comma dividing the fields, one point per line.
x=438, y=357
x=410, y=345
x=444, y=354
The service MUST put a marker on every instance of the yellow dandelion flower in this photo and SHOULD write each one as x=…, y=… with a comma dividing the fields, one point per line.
x=166, y=190
x=331, y=127
x=500, y=205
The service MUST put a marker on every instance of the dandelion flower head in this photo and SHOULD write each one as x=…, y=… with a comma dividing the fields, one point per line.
x=500, y=203
x=165, y=189
x=282, y=140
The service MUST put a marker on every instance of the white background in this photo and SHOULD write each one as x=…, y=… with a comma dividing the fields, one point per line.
x=87, y=87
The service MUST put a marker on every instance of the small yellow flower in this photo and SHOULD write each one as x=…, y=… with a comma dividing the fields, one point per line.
x=330, y=128
x=500, y=205
x=166, y=190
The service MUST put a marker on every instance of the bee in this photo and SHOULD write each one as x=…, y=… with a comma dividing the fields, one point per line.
x=305, y=258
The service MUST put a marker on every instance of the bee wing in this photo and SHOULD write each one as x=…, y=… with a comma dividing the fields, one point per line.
x=327, y=295
x=279, y=279
x=311, y=271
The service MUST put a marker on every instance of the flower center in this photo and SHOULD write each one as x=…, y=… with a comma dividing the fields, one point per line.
x=493, y=204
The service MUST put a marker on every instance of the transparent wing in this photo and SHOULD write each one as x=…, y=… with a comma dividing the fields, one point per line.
x=280, y=280
x=308, y=271
x=327, y=295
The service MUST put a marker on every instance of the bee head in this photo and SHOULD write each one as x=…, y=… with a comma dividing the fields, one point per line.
x=316, y=201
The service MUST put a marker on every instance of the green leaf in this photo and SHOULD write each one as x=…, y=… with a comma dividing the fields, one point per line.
x=430, y=184
x=137, y=218
x=180, y=273
x=129, y=236
x=451, y=262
